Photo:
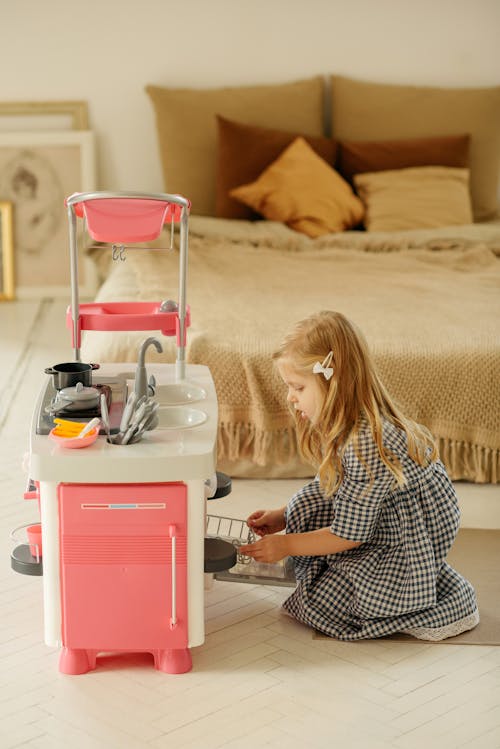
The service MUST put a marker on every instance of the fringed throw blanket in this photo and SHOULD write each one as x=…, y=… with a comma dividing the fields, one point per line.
x=428, y=303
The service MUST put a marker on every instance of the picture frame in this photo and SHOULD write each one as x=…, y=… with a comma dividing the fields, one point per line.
x=6, y=251
x=38, y=170
x=37, y=115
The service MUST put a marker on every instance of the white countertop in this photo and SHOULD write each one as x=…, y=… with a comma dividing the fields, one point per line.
x=161, y=455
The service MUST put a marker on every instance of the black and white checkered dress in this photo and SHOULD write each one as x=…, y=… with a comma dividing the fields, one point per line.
x=397, y=579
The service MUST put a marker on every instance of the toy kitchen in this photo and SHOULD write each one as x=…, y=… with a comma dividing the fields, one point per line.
x=123, y=547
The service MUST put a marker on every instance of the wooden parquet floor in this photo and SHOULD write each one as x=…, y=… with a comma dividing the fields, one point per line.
x=259, y=680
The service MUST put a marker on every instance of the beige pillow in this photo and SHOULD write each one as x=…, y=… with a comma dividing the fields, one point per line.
x=187, y=127
x=301, y=190
x=422, y=197
x=363, y=110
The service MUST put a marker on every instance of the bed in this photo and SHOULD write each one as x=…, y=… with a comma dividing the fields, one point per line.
x=399, y=233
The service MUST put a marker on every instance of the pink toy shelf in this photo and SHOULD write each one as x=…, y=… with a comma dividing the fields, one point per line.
x=127, y=316
x=121, y=218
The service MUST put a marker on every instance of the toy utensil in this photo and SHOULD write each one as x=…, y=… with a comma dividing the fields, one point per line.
x=149, y=421
x=122, y=438
x=68, y=424
x=141, y=426
x=105, y=414
x=68, y=430
x=127, y=411
x=65, y=428
x=139, y=413
x=88, y=427
x=128, y=435
x=152, y=385
x=149, y=418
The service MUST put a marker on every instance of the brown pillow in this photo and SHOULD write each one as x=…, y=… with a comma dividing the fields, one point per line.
x=244, y=151
x=375, y=156
x=303, y=191
x=424, y=197
x=187, y=127
x=362, y=110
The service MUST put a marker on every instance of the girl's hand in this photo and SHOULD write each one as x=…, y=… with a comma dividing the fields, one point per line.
x=264, y=522
x=269, y=549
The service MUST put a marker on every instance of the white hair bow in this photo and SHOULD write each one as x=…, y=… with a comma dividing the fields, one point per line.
x=324, y=368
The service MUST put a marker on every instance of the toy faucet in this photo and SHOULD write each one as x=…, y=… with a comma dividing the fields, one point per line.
x=141, y=379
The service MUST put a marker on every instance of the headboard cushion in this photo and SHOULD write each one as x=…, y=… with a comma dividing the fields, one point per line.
x=187, y=127
x=357, y=157
x=244, y=151
x=369, y=111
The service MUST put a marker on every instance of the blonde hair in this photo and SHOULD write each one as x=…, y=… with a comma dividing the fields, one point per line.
x=353, y=397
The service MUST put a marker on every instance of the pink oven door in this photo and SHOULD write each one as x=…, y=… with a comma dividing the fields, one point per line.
x=123, y=566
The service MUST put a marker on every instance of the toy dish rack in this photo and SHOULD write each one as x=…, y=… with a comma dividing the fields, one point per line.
x=121, y=218
x=246, y=570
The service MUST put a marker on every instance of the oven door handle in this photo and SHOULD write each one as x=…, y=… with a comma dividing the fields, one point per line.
x=171, y=533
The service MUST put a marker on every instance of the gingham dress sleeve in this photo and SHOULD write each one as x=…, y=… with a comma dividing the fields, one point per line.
x=359, y=498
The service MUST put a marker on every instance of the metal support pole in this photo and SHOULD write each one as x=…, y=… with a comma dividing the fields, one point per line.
x=73, y=257
x=180, y=364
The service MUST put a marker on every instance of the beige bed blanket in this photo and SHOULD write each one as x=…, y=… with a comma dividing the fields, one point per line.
x=428, y=303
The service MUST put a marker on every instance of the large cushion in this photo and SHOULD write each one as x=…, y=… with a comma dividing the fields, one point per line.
x=374, y=111
x=359, y=157
x=417, y=198
x=187, y=127
x=303, y=191
x=244, y=151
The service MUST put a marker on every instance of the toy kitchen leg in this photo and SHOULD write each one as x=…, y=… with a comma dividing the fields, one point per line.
x=121, y=573
x=50, y=579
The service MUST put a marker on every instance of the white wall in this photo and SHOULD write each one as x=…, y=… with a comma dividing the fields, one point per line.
x=105, y=51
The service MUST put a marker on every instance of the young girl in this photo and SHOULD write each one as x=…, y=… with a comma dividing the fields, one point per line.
x=369, y=536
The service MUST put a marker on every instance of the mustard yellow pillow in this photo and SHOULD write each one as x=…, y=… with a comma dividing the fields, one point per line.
x=301, y=190
x=422, y=197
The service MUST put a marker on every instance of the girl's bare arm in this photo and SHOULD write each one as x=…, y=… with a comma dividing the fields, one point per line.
x=313, y=543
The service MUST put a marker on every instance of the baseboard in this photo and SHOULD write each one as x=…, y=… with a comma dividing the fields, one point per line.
x=479, y=505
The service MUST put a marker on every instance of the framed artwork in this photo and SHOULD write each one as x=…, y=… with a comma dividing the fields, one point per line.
x=6, y=251
x=40, y=115
x=38, y=170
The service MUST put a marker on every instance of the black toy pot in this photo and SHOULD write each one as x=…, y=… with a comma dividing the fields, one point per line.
x=69, y=373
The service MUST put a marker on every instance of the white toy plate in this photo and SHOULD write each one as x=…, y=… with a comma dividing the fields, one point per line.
x=179, y=417
x=177, y=393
